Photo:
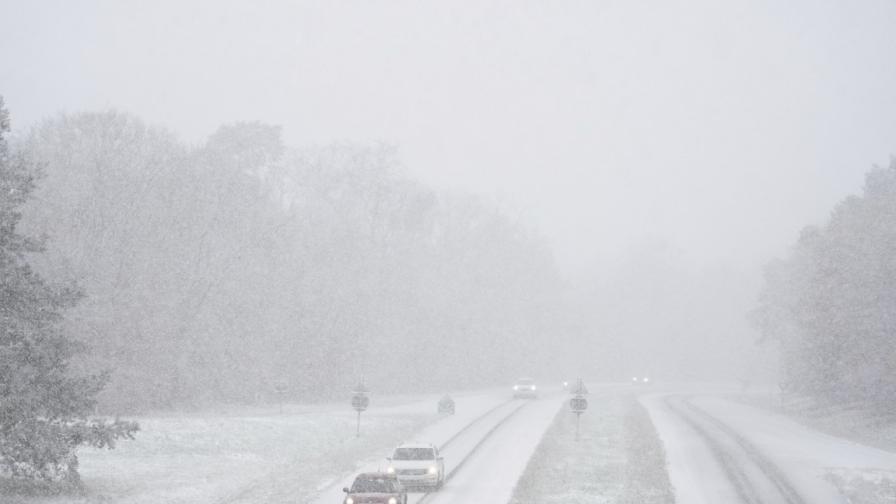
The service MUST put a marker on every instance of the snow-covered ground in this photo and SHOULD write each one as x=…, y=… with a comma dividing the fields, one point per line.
x=617, y=459
x=246, y=455
x=497, y=450
x=307, y=454
x=724, y=451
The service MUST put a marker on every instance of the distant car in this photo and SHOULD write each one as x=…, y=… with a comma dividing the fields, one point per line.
x=446, y=405
x=643, y=380
x=417, y=465
x=375, y=487
x=524, y=389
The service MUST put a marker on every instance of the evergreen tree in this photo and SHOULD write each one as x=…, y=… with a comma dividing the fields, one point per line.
x=44, y=408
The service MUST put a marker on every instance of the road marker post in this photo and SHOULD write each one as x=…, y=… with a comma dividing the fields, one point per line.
x=578, y=404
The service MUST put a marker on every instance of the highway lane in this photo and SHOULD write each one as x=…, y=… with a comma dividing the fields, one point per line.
x=720, y=450
x=455, y=435
x=490, y=472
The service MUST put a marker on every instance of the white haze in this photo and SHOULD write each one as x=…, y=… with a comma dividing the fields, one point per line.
x=697, y=135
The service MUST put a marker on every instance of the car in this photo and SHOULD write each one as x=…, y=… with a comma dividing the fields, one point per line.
x=417, y=465
x=375, y=488
x=644, y=380
x=446, y=405
x=524, y=389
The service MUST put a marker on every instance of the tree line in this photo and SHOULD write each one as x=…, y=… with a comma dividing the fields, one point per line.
x=238, y=268
x=830, y=304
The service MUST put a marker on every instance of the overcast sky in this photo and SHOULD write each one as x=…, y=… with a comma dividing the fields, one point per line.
x=719, y=127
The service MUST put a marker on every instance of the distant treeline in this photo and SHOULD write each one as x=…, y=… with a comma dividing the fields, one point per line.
x=832, y=304
x=232, y=269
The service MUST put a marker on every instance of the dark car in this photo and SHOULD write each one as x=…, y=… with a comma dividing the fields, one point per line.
x=446, y=405
x=375, y=488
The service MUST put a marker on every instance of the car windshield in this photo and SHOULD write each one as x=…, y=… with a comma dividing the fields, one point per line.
x=525, y=381
x=373, y=485
x=413, y=454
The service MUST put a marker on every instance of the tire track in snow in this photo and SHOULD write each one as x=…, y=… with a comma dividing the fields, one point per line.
x=754, y=477
x=252, y=487
x=474, y=422
x=488, y=434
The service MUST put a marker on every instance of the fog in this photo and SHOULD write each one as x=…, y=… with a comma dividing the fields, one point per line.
x=722, y=128
x=480, y=251
x=665, y=150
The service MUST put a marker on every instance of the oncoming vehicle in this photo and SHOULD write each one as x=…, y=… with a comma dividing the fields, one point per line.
x=375, y=488
x=524, y=389
x=640, y=381
x=417, y=465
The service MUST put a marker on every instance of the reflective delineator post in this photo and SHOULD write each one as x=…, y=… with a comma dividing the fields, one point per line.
x=578, y=404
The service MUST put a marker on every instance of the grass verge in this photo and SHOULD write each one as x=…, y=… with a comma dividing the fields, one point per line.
x=618, y=459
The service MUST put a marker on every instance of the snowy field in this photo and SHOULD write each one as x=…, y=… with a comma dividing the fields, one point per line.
x=248, y=456
x=658, y=445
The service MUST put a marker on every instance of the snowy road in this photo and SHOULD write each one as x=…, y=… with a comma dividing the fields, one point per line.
x=723, y=451
x=490, y=472
x=491, y=429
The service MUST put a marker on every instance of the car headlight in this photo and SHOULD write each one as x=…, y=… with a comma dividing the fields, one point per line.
x=515, y=387
x=533, y=388
x=433, y=469
x=390, y=470
x=349, y=500
x=392, y=500
x=646, y=379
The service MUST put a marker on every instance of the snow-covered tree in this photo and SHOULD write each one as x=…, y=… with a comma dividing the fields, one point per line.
x=44, y=407
x=830, y=304
x=216, y=271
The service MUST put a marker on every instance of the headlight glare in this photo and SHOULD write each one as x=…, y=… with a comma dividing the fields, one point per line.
x=433, y=469
x=392, y=500
x=390, y=470
x=349, y=500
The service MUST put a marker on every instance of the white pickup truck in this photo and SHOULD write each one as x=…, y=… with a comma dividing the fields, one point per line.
x=417, y=465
